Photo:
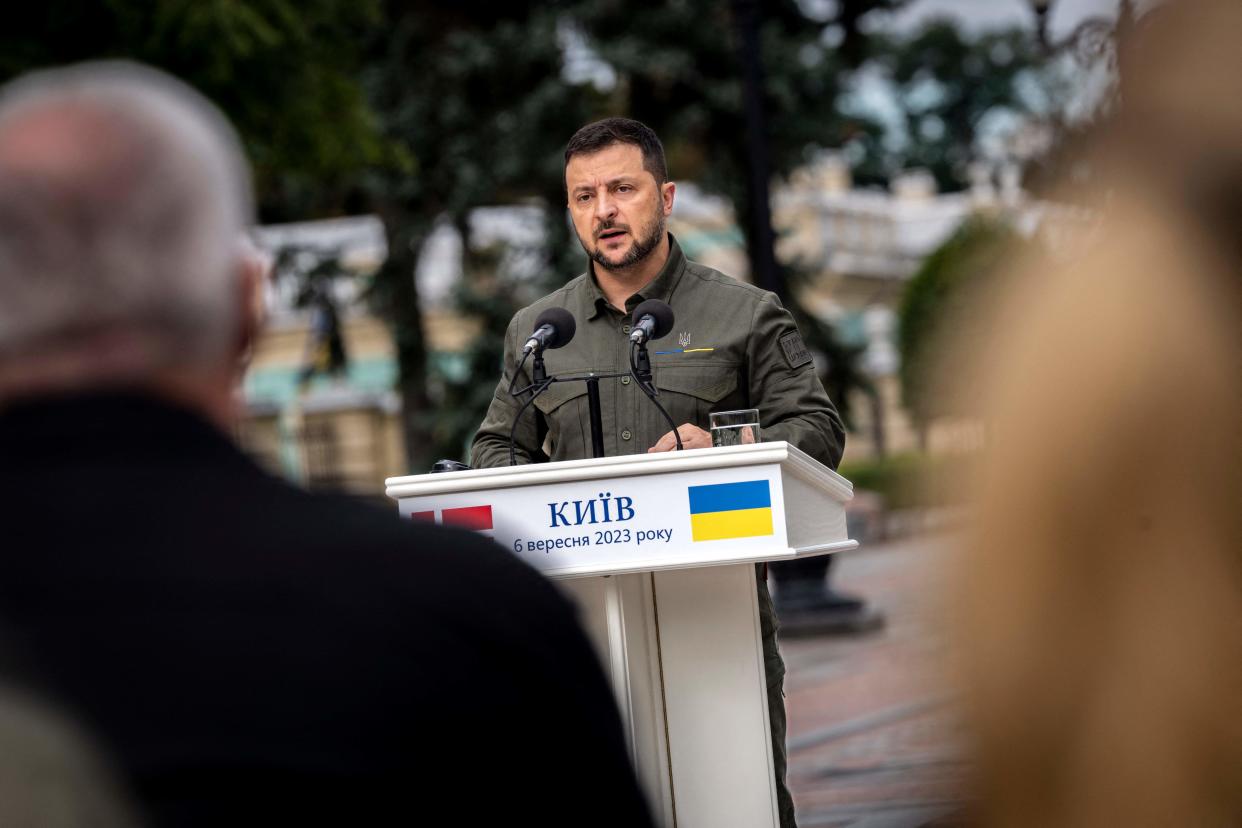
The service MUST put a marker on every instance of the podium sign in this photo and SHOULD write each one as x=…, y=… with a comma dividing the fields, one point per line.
x=644, y=512
x=626, y=524
x=656, y=550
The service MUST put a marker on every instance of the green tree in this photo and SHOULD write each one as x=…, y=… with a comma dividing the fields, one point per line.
x=942, y=295
x=490, y=293
x=472, y=104
x=948, y=84
x=284, y=71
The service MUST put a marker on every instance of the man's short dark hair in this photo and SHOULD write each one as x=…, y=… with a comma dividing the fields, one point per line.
x=603, y=134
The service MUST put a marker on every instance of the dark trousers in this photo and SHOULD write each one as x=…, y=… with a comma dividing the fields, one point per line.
x=774, y=666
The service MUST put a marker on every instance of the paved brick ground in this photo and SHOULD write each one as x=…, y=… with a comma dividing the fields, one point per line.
x=872, y=732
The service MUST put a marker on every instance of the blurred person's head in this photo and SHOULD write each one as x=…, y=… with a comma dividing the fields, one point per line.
x=619, y=194
x=1101, y=609
x=123, y=194
x=1177, y=134
x=54, y=773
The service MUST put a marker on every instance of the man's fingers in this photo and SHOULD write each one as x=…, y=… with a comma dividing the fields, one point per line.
x=691, y=437
x=694, y=437
x=665, y=443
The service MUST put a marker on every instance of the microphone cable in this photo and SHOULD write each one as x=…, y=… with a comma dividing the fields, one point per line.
x=517, y=418
x=517, y=371
x=651, y=392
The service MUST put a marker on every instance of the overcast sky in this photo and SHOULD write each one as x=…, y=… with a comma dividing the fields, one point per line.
x=992, y=14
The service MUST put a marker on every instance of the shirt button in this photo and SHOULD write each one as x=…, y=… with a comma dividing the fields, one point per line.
x=625, y=329
x=625, y=435
x=625, y=380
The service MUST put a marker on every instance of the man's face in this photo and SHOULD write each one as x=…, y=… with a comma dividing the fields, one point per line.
x=617, y=207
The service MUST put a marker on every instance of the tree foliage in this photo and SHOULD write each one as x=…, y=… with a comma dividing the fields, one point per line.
x=948, y=83
x=472, y=104
x=284, y=71
x=943, y=292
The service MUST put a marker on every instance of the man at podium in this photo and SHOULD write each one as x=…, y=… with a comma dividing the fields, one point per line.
x=735, y=347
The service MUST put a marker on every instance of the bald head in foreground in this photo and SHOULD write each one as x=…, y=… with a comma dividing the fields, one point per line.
x=242, y=650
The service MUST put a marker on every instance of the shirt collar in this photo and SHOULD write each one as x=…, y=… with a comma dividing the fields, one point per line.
x=661, y=287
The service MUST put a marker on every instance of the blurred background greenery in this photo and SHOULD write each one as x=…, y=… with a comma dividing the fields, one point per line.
x=863, y=159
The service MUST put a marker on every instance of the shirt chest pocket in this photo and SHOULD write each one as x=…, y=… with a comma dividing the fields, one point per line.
x=691, y=391
x=564, y=409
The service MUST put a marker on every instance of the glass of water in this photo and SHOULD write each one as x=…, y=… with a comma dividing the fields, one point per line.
x=735, y=428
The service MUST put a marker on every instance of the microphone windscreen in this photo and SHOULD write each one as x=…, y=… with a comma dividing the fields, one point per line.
x=562, y=321
x=660, y=311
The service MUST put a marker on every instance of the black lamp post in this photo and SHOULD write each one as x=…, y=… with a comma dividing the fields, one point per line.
x=746, y=15
x=1041, y=9
x=1089, y=39
x=804, y=598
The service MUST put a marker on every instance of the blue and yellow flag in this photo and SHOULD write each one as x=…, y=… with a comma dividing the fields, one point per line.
x=730, y=510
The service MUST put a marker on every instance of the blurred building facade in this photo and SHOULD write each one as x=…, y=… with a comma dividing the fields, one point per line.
x=858, y=248
x=324, y=431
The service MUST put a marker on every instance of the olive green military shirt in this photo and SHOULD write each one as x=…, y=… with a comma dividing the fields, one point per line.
x=732, y=346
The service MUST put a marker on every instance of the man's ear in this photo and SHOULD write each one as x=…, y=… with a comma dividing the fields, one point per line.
x=667, y=190
x=252, y=274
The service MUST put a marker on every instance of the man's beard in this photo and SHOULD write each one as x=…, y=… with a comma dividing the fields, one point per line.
x=641, y=249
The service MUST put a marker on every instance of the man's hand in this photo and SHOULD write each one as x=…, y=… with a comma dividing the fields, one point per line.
x=691, y=437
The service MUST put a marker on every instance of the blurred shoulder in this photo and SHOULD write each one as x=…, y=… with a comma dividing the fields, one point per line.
x=442, y=564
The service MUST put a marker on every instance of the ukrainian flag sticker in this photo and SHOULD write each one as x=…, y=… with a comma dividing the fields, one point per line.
x=730, y=510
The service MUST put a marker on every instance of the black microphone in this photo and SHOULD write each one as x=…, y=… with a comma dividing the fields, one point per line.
x=553, y=329
x=652, y=319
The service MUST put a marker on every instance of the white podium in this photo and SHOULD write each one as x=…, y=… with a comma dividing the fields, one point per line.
x=657, y=550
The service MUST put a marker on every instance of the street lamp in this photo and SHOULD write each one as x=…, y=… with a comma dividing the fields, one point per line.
x=1041, y=9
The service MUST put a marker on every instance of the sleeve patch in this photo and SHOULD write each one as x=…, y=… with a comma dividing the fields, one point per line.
x=796, y=353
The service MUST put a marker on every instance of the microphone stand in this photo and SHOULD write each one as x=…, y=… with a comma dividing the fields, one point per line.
x=597, y=423
x=640, y=370
x=538, y=372
x=540, y=382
